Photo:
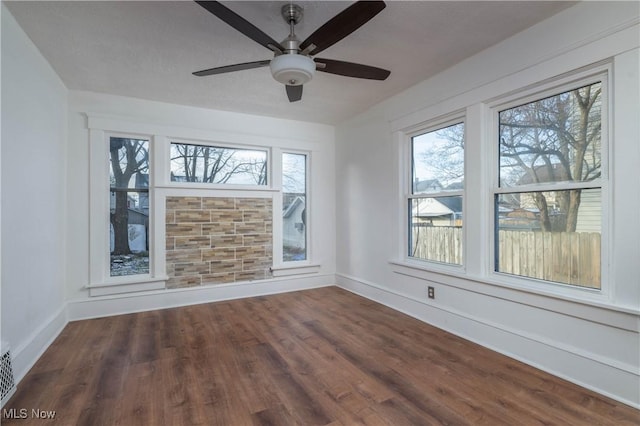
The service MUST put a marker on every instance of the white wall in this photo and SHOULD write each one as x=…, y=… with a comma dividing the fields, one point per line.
x=189, y=123
x=34, y=117
x=594, y=342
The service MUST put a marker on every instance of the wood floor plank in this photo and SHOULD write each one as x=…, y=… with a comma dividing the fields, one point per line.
x=322, y=356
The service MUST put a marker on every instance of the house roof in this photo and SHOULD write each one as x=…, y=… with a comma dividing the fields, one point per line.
x=293, y=206
x=441, y=206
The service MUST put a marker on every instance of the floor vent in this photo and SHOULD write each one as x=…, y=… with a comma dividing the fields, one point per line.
x=7, y=382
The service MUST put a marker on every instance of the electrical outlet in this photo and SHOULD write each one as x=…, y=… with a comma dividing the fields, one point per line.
x=431, y=292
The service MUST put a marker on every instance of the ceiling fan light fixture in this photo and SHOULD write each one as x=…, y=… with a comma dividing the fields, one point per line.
x=292, y=69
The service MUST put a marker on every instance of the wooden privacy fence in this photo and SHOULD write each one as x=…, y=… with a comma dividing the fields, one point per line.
x=437, y=243
x=564, y=257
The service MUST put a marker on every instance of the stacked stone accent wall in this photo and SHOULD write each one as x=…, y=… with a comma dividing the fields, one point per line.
x=214, y=240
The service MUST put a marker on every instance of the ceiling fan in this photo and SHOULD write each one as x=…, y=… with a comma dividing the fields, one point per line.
x=292, y=64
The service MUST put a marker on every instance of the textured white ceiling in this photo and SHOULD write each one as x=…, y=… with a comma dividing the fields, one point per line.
x=149, y=49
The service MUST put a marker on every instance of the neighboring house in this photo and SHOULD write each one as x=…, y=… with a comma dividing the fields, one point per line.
x=590, y=212
x=294, y=221
x=441, y=211
x=425, y=186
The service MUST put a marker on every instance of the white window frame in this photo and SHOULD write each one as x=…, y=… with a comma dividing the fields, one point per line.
x=307, y=266
x=102, y=127
x=481, y=185
x=308, y=215
x=458, y=117
x=531, y=94
x=101, y=282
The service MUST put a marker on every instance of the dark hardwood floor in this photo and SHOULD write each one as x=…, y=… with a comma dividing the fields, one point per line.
x=315, y=357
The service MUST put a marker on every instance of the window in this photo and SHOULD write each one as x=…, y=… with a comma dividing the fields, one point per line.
x=218, y=165
x=548, y=203
x=294, y=207
x=129, y=206
x=435, y=200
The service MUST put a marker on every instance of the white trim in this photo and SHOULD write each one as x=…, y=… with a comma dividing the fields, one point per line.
x=278, y=252
x=609, y=377
x=127, y=287
x=170, y=298
x=124, y=124
x=27, y=354
x=292, y=268
x=608, y=314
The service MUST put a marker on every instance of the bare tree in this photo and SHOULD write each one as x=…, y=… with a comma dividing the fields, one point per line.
x=445, y=161
x=127, y=157
x=553, y=139
x=209, y=164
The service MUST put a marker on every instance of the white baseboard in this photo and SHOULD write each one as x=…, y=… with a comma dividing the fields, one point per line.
x=25, y=355
x=118, y=304
x=612, y=379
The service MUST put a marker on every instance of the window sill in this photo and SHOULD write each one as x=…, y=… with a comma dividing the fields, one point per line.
x=568, y=301
x=287, y=270
x=109, y=288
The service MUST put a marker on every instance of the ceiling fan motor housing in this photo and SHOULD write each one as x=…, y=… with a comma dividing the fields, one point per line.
x=292, y=69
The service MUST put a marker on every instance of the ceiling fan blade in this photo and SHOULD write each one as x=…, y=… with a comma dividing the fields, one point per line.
x=349, y=69
x=294, y=93
x=231, y=68
x=341, y=25
x=241, y=24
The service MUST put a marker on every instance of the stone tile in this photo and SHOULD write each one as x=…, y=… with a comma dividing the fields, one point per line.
x=225, y=216
x=251, y=203
x=256, y=239
x=184, y=203
x=225, y=266
x=214, y=240
x=183, y=229
x=185, y=269
x=218, y=278
x=256, y=264
x=187, y=281
x=256, y=215
x=222, y=228
x=216, y=254
x=170, y=216
x=250, y=228
x=226, y=241
x=245, y=252
x=218, y=203
x=184, y=256
x=191, y=216
x=200, y=242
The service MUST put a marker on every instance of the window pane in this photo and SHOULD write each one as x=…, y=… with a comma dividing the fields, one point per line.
x=556, y=139
x=553, y=236
x=211, y=164
x=294, y=197
x=437, y=160
x=129, y=206
x=436, y=229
